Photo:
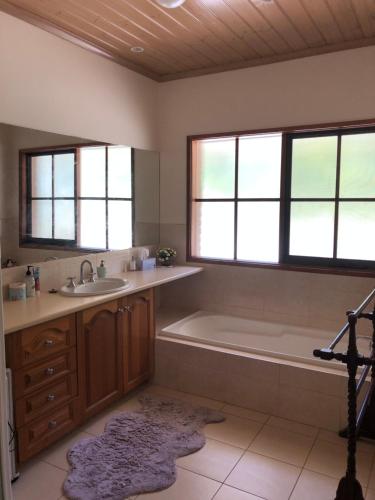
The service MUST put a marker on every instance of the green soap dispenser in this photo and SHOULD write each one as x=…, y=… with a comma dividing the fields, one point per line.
x=101, y=270
x=30, y=282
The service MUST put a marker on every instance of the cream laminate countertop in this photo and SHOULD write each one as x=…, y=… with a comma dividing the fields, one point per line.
x=36, y=310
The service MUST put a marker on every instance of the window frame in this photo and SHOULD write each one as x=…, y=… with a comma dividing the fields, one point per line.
x=27, y=241
x=286, y=262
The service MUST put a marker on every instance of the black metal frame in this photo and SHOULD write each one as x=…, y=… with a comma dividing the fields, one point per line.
x=363, y=423
x=27, y=240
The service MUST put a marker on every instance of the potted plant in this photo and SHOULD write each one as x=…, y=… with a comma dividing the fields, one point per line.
x=166, y=256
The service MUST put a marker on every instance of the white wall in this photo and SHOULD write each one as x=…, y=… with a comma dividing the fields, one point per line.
x=47, y=83
x=321, y=89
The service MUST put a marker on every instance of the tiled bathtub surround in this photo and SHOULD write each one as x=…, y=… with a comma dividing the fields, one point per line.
x=308, y=395
x=54, y=273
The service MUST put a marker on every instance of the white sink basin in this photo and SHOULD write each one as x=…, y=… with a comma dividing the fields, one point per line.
x=99, y=287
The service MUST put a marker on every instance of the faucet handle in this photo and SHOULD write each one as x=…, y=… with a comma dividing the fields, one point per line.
x=92, y=277
x=72, y=283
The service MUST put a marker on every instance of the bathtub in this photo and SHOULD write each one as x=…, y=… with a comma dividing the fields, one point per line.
x=274, y=340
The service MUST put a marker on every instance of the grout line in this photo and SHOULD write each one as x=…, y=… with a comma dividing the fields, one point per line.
x=55, y=466
x=242, y=491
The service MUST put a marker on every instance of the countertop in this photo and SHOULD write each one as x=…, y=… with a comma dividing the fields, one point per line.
x=35, y=310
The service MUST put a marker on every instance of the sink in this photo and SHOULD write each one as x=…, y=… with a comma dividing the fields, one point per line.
x=99, y=287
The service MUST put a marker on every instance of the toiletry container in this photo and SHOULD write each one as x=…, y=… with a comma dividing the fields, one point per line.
x=37, y=280
x=30, y=282
x=101, y=270
x=17, y=291
x=133, y=264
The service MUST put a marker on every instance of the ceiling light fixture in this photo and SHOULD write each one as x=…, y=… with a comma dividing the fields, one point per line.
x=170, y=4
x=137, y=50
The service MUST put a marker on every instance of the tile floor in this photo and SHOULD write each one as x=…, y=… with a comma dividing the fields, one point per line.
x=250, y=456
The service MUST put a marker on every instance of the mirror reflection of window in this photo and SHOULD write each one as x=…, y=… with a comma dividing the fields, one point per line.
x=80, y=197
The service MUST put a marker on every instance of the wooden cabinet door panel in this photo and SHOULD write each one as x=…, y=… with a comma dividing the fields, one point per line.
x=100, y=347
x=139, y=338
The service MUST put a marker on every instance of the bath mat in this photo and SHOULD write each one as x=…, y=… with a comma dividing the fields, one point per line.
x=137, y=451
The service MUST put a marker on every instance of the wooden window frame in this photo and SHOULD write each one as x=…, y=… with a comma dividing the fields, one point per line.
x=286, y=262
x=26, y=241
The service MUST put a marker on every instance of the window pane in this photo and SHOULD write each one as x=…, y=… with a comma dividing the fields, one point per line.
x=64, y=175
x=259, y=165
x=311, y=229
x=119, y=172
x=64, y=220
x=356, y=231
x=93, y=224
x=119, y=224
x=314, y=167
x=213, y=231
x=258, y=231
x=357, y=174
x=41, y=176
x=41, y=221
x=214, y=168
x=92, y=172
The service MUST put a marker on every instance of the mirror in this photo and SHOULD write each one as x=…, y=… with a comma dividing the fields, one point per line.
x=62, y=196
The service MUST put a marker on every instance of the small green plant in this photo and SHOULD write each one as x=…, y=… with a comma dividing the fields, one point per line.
x=166, y=255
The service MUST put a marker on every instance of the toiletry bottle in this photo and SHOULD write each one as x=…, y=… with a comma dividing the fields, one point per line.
x=101, y=270
x=30, y=283
x=133, y=264
x=37, y=280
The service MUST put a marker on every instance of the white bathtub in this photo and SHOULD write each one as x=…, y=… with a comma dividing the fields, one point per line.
x=265, y=338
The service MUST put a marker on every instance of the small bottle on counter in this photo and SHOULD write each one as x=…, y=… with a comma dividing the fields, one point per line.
x=30, y=283
x=133, y=264
x=101, y=270
x=37, y=280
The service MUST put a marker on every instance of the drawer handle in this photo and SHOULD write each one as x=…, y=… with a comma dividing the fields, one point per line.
x=52, y=424
x=128, y=309
x=51, y=397
x=50, y=371
x=49, y=342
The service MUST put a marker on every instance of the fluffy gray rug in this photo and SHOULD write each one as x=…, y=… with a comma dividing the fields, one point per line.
x=137, y=451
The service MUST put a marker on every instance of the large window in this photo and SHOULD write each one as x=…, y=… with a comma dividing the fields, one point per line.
x=77, y=197
x=288, y=197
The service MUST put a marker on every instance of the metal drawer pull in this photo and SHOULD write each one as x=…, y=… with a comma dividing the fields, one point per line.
x=52, y=424
x=128, y=308
x=50, y=371
x=120, y=310
x=48, y=342
x=51, y=397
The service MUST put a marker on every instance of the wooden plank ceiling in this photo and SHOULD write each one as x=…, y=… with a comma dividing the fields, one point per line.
x=203, y=36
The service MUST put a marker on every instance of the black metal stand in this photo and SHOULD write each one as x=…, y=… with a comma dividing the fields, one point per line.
x=362, y=424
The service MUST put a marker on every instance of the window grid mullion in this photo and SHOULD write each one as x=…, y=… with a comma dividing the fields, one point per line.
x=106, y=198
x=337, y=195
x=235, y=199
x=53, y=196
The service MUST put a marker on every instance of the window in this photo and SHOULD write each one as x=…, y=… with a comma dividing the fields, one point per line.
x=304, y=198
x=77, y=197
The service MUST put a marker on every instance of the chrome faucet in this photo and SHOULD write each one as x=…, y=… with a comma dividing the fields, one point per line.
x=91, y=273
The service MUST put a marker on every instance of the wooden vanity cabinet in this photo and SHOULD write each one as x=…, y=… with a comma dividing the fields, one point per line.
x=139, y=335
x=66, y=370
x=100, y=356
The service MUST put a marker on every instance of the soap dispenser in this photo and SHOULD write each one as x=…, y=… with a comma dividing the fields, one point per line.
x=30, y=282
x=101, y=270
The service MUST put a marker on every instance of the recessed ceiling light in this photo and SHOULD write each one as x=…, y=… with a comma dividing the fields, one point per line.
x=137, y=50
x=170, y=4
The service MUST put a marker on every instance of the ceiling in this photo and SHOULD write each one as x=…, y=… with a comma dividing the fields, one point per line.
x=203, y=36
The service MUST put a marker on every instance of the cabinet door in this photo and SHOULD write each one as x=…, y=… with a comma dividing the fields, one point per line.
x=100, y=363
x=139, y=338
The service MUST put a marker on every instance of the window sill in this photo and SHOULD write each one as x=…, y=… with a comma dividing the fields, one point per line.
x=342, y=271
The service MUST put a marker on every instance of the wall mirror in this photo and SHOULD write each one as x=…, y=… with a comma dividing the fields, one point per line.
x=62, y=196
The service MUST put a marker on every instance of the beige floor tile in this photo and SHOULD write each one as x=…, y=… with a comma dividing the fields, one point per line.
x=164, y=391
x=282, y=445
x=246, y=413
x=229, y=493
x=370, y=495
x=201, y=401
x=289, y=425
x=97, y=424
x=215, y=460
x=264, y=477
x=330, y=459
x=236, y=431
x=189, y=486
x=333, y=437
x=56, y=455
x=313, y=486
x=39, y=480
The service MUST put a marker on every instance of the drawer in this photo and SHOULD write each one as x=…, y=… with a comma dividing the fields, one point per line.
x=36, y=377
x=44, y=431
x=46, y=400
x=42, y=341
